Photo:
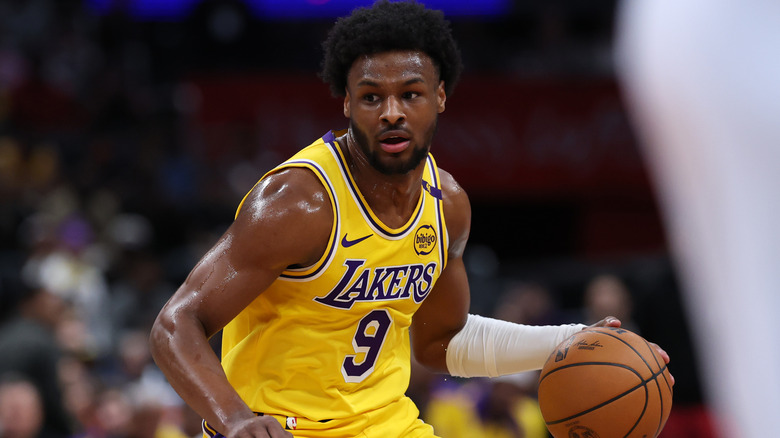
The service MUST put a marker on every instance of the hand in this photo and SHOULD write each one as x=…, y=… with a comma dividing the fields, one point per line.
x=611, y=321
x=259, y=427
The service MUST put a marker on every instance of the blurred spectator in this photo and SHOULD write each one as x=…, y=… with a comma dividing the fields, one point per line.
x=452, y=409
x=108, y=414
x=486, y=408
x=511, y=409
x=65, y=268
x=30, y=349
x=607, y=295
x=529, y=303
x=140, y=292
x=21, y=409
x=126, y=399
x=80, y=393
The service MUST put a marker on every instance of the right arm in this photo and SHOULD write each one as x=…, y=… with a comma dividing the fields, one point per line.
x=285, y=221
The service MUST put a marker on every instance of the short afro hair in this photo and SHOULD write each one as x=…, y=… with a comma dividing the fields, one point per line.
x=388, y=26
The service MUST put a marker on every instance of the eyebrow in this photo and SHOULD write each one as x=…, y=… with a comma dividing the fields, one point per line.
x=370, y=83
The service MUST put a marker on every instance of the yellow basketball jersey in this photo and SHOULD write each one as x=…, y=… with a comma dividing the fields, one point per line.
x=332, y=340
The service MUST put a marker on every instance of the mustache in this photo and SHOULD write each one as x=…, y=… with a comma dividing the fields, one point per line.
x=396, y=127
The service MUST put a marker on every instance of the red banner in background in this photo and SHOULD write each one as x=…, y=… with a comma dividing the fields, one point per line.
x=508, y=136
x=500, y=136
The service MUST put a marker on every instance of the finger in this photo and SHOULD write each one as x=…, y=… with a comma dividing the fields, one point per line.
x=665, y=356
x=280, y=433
x=611, y=321
x=662, y=352
x=263, y=426
x=275, y=429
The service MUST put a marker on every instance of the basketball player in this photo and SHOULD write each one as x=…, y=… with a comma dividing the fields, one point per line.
x=343, y=259
x=702, y=80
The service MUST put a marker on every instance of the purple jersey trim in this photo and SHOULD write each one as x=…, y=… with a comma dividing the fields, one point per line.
x=334, y=241
x=439, y=207
x=364, y=208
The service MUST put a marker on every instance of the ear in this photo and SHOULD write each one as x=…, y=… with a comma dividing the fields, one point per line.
x=346, y=104
x=441, y=97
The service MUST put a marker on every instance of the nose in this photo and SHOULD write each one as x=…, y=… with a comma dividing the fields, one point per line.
x=392, y=111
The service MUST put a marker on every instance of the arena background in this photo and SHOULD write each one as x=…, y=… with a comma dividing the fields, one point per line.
x=130, y=130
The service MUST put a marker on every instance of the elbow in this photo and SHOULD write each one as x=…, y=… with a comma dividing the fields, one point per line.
x=432, y=355
x=433, y=364
x=176, y=329
x=161, y=335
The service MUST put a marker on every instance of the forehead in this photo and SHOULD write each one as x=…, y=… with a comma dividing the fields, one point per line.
x=393, y=66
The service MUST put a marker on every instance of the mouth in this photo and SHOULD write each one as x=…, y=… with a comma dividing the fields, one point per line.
x=394, y=142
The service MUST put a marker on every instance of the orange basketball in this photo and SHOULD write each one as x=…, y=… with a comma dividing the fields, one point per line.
x=605, y=383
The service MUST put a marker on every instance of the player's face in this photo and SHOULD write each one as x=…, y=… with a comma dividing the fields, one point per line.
x=393, y=100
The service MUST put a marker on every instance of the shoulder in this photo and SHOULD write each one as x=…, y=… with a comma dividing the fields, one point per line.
x=457, y=211
x=288, y=191
x=289, y=213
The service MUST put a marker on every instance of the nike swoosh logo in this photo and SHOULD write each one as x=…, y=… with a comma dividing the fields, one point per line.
x=346, y=243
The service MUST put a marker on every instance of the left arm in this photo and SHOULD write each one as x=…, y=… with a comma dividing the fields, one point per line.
x=447, y=339
x=445, y=311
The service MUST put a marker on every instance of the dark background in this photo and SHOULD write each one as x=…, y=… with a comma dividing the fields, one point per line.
x=169, y=120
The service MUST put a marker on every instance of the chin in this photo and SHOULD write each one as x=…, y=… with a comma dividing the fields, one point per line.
x=396, y=165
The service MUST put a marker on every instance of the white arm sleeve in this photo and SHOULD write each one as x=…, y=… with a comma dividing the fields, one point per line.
x=487, y=347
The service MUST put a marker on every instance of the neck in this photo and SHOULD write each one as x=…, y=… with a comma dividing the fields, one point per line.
x=392, y=198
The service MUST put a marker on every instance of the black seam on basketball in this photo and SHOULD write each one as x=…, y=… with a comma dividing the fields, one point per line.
x=658, y=384
x=650, y=368
x=643, y=384
x=641, y=414
x=661, y=397
x=578, y=364
x=661, y=413
x=664, y=366
x=591, y=409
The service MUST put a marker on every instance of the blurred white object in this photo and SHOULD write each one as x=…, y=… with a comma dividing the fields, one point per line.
x=703, y=82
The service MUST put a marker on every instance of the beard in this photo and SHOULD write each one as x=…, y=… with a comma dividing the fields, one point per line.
x=396, y=166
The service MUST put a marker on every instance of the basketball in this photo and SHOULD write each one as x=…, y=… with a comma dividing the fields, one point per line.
x=605, y=382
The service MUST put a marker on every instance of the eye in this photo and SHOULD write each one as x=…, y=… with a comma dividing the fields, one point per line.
x=411, y=95
x=370, y=98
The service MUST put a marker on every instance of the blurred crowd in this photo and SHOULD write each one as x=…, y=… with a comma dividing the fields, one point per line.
x=76, y=361
x=102, y=215
x=107, y=201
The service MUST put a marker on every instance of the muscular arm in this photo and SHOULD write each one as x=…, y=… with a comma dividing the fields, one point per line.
x=286, y=220
x=485, y=346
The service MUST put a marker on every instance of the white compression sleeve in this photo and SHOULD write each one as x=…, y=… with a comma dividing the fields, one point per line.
x=488, y=347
